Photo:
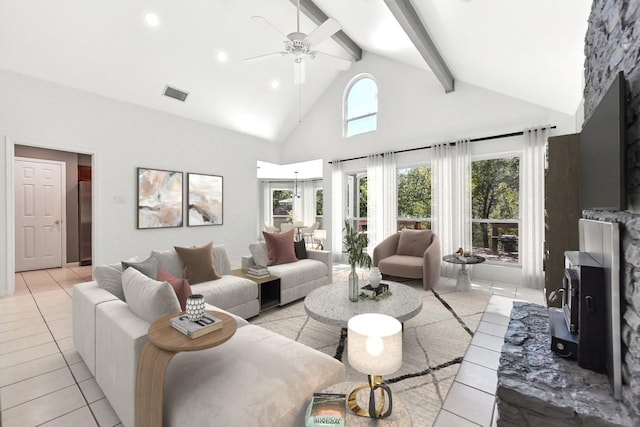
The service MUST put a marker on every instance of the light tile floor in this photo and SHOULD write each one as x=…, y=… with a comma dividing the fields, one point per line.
x=43, y=381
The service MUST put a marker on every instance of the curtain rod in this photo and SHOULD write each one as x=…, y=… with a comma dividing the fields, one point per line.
x=484, y=138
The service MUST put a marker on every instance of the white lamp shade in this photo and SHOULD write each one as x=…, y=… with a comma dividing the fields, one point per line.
x=298, y=223
x=374, y=343
x=320, y=234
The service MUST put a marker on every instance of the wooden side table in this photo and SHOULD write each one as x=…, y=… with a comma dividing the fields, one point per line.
x=268, y=289
x=164, y=343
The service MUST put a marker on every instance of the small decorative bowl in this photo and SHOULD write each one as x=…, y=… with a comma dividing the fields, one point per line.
x=195, y=307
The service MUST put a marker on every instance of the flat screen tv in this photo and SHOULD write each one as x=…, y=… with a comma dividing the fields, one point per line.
x=602, y=152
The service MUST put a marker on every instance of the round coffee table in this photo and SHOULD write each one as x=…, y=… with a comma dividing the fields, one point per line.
x=464, y=280
x=330, y=304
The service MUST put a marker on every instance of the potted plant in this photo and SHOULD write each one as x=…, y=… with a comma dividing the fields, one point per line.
x=355, y=244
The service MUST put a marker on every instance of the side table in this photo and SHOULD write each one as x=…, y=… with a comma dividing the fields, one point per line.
x=268, y=288
x=399, y=415
x=164, y=343
x=464, y=280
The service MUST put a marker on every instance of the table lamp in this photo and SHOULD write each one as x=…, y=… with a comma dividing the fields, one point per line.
x=320, y=236
x=374, y=344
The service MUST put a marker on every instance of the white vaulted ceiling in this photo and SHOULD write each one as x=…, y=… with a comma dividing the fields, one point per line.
x=531, y=50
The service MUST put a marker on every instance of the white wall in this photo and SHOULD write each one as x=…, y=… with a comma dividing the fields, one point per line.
x=123, y=137
x=414, y=112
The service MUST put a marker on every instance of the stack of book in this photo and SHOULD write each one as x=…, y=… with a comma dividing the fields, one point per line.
x=258, y=272
x=198, y=328
x=326, y=409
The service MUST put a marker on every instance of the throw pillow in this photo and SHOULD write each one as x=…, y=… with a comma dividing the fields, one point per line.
x=109, y=277
x=280, y=247
x=148, y=267
x=148, y=298
x=198, y=263
x=413, y=242
x=169, y=261
x=221, y=260
x=301, y=249
x=180, y=286
x=259, y=253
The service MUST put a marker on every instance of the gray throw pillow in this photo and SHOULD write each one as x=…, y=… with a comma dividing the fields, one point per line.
x=148, y=267
x=148, y=298
x=259, y=253
x=168, y=260
x=109, y=277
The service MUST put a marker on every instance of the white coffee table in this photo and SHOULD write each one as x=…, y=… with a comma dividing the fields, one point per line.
x=330, y=304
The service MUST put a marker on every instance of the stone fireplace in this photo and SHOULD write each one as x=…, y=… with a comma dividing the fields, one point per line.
x=612, y=44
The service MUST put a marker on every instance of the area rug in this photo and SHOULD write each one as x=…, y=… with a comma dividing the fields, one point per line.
x=434, y=343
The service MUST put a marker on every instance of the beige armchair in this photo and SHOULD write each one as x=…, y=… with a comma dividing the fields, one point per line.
x=414, y=254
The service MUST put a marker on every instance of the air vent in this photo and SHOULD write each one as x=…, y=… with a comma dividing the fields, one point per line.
x=174, y=93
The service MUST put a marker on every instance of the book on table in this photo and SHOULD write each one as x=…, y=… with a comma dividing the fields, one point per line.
x=198, y=328
x=326, y=409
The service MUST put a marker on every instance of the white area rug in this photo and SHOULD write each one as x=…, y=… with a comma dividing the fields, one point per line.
x=434, y=343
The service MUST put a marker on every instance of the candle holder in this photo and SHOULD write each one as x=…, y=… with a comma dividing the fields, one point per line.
x=195, y=307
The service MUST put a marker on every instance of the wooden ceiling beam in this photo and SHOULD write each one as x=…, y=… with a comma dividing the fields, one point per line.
x=410, y=22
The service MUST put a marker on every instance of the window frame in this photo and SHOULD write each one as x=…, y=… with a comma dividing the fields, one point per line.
x=345, y=106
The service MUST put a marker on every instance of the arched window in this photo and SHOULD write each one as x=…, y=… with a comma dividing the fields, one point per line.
x=360, y=106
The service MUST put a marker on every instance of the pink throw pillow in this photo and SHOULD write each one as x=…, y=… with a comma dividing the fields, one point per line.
x=181, y=287
x=280, y=247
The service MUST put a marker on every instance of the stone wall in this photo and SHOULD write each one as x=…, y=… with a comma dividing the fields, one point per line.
x=612, y=44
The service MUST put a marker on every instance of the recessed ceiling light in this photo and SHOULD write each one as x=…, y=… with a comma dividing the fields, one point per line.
x=275, y=84
x=151, y=19
x=222, y=56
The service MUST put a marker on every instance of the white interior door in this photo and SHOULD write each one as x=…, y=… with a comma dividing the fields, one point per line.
x=39, y=193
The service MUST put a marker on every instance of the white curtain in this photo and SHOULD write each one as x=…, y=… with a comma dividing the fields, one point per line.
x=337, y=210
x=308, y=204
x=532, y=207
x=390, y=192
x=375, y=199
x=266, y=204
x=451, y=198
x=381, y=198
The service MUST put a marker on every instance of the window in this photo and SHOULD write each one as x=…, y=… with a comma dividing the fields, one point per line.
x=414, y=198
x=361, y=106
x=319, y=200
x=357, y=201
x=495, y=200
x=282, y=204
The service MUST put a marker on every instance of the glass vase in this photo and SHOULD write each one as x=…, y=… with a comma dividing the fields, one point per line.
x=354, y=288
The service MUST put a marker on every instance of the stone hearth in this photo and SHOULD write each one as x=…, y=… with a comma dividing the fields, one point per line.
x=537, y=387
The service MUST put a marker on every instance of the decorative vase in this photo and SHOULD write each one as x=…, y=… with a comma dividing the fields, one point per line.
x=354, y=288
x=195, y=307
x=374, y=277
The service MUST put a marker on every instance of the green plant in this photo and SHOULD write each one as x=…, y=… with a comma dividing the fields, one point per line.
x=355, y=243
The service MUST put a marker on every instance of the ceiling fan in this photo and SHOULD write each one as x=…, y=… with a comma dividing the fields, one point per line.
x=300, y=46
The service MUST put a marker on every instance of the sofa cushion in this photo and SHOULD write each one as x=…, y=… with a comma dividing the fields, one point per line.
x=109, y=277
x=299, y=272
x=300, y=249
x=180, y=286
x=148, y=267
x=280, y=247
x=259, y=253
x=169, y=261
x=148, y=298
x=413, y=242
x=402, y=266
x=228, y=291
x=198, y=263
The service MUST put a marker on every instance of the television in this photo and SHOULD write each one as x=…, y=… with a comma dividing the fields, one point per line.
x=602, y=152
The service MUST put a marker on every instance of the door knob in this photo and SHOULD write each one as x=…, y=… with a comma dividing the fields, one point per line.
x=58, y=222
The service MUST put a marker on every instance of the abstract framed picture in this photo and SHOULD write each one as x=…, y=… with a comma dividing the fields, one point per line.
x=160, y=198
x=204, y=200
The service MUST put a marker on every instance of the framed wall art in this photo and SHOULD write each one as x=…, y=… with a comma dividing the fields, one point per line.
x=160, y=198
x=204, y=199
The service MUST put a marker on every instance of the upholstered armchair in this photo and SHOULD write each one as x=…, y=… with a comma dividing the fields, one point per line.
x=414, y=254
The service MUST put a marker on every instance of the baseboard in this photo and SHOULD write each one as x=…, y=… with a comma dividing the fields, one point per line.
x=72, y=265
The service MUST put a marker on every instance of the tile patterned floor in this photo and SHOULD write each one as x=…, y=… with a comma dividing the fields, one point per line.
x=43, y=381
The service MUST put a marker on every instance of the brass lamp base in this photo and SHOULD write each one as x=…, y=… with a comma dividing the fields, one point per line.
x=375, y=382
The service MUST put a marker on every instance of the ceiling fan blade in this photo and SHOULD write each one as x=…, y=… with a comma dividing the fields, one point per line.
x=265, y=56
x=324, y=31
x=298, y=72
x=266, y=21
x=341, y=63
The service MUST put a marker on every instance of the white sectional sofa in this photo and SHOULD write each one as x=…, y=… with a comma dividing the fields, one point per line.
x=256, y=378
x=299, y=278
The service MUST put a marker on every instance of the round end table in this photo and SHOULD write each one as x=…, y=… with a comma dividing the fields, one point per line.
x=464, y=279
